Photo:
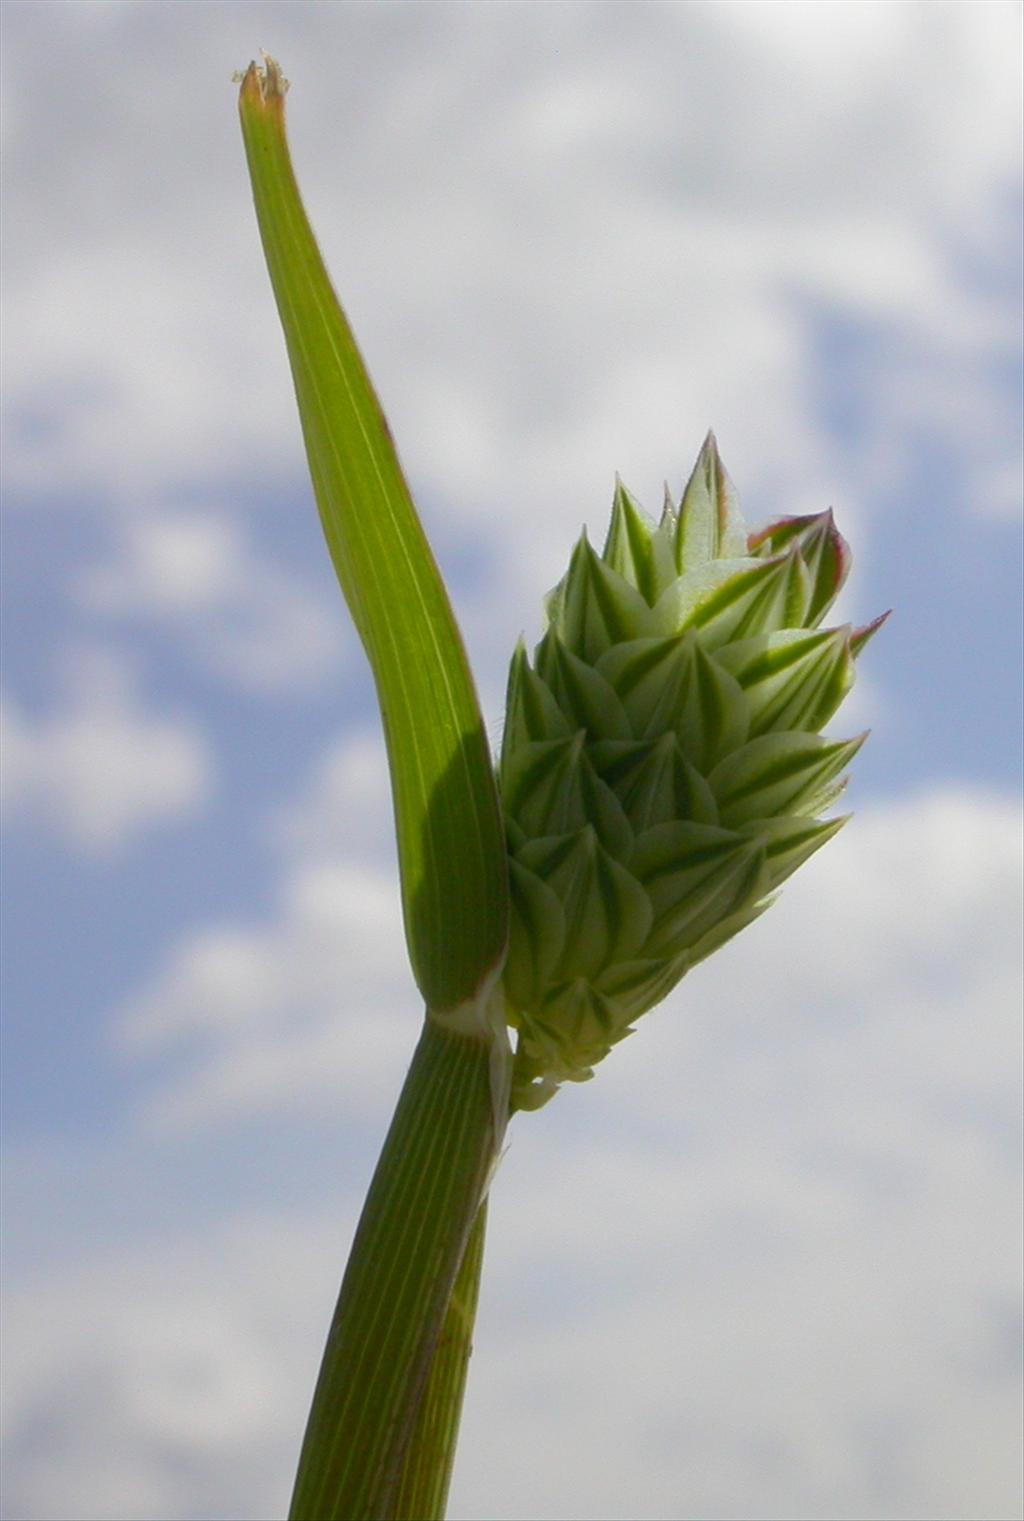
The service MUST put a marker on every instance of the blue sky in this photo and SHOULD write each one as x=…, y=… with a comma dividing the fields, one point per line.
x=767, y=1264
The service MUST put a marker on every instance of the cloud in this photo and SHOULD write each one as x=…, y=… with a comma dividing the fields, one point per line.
x=566, y=249
x=104, y=768
x=199, y=574
x=164, y=1380
x=344, y=810
x=765, y=1264
x=310, y=1011
x=316, y=991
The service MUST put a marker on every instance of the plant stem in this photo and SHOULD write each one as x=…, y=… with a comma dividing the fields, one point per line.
x=422, y=1493
x=411, y=1239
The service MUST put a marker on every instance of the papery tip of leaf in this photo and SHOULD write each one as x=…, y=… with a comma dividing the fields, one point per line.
x=624, y=500
x=842, y=549
x=831, y=827
x=859, y=637
x=262, y=86
x=792, y=526
x=581, y=550
x=709, y=463
x=758, y=536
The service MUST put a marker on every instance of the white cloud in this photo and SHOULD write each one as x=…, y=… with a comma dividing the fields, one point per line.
x=779, y=1283
x=313, y=1011
x=103, y=768
x=344, y=810
x=198, y=573
x=169, y=1379
x=567, y=248
x=320, y=991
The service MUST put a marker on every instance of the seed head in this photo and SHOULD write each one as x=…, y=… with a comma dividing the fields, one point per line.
x=662, y=770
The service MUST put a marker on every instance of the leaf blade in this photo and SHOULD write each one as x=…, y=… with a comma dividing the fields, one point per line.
x=447, y=817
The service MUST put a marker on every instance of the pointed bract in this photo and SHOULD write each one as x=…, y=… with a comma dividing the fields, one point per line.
x=709, y=525
x=824, y=550
x=627, y=548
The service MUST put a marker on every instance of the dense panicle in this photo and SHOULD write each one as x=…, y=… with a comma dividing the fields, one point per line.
x=662, y=770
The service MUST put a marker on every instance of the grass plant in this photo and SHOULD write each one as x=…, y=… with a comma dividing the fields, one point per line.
x=662, y=772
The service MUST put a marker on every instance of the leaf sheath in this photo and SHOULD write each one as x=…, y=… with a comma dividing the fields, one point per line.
x=411, y=1239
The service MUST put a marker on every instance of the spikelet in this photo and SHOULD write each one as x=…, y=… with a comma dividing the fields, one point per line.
x=662, y=770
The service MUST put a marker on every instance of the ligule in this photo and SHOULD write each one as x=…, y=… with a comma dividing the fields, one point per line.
x=663, y=770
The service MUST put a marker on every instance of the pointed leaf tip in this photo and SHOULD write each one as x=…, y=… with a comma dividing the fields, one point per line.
x=710, y=523
x=859, y=637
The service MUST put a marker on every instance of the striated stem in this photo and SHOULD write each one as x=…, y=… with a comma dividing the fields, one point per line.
x=411, y=1240
x=422, y=1493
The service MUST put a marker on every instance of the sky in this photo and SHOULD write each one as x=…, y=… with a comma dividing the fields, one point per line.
x=767, y=1264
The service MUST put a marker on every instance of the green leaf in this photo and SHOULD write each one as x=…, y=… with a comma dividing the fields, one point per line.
x=450, y=835
x=573, y=1030
x=633, y=987
x=862, y=636
x=763, y=596
x=724, y=932
x=736, y=599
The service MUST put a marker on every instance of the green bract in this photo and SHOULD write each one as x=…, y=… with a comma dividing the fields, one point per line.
x=662, y=770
